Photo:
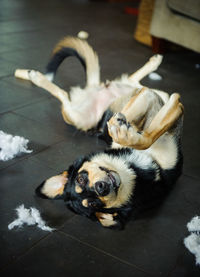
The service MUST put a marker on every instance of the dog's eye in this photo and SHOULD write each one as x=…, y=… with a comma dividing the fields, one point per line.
x=81, y=180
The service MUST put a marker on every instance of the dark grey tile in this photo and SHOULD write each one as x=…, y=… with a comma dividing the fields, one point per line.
x=47, y=113
x=185, y=266
x=61, y=155
x=59, y=255
x=136, y=244
x=18, y=183
x=140, y=242
x=154, y=242
x=7, y=68
x=39, y=136
x=13, y=96
x=33, y=58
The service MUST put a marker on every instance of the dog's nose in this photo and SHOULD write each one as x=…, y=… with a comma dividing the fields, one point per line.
x=102, y=188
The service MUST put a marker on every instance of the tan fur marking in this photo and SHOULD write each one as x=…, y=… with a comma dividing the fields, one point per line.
x=85, y=203
x=66, y=117
x=86, y=51
x=94, y=173
x=106, y=220
x=166, y=117
x=78, y=189
x=137, y=107
x=55, y=185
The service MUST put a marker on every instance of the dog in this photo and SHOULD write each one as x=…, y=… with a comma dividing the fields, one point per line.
x=141, y=125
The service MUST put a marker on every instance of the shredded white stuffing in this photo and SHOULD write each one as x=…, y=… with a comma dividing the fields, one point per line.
x=192, y=242
x=155, y=76
x=29, y=216
x=11, y=146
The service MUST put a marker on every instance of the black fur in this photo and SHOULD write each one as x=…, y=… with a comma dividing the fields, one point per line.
x=59, y=57
x=148, y=192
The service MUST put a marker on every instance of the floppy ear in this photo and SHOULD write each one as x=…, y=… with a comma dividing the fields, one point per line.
x=53, y=187
x=109, y=220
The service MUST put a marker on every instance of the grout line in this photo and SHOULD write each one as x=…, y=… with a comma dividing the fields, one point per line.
x=104, y=252
x=5, y=76
x=190, y=176
x=14, y=260
x=25, y=105
x=33, y=154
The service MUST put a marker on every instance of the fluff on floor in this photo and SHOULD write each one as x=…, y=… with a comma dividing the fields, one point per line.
x=29, y=216
x=192, y=242
x=11, y=146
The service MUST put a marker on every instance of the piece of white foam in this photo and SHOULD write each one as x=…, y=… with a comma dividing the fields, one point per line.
x=83, y=35
x=155, y=76
x=29, y=216
x=11, y=146
x=192, y=242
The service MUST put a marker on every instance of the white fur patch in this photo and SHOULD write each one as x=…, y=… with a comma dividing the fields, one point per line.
x=30, y=217
x=11, y=146
x=192, y=242
x=141, y=158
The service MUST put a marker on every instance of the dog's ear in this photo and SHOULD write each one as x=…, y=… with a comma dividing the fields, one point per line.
x=53, y=188
x=109, y=220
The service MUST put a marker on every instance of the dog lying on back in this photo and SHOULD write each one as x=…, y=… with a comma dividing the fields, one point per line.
x=142, y=125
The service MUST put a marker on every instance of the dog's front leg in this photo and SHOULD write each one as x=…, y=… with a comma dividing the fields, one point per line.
x=149, y=67
x=127, y=134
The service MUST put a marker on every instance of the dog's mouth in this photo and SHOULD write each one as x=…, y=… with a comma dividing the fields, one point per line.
x=109, y=184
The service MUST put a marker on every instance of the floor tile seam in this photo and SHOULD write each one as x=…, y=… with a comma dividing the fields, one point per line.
x=12, y=50
x=104, y=252
x=38, y=100
x=20, y=32
x=32, y=155
x=5, y=76
x=190, y=176
x=46, y=148
x=42, y=162
x=173, y=269
x=41, y=124
x=18, y=48
x=14, y=260
x=23, y=106
x=22, y=158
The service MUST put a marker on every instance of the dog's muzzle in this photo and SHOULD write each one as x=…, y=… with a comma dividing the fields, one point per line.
x=110, y=184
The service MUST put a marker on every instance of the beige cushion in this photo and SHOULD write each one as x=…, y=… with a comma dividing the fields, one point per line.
x=190, y=8
x=174, y=27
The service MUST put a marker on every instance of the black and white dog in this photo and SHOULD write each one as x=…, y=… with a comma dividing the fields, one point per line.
x=142, y=125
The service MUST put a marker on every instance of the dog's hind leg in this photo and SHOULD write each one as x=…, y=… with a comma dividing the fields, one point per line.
x=149, y=67
x=136, y=112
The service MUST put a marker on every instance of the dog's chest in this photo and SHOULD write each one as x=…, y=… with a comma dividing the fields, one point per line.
x=141, y=159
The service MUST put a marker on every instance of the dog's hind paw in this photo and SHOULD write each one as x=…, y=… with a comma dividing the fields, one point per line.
x=37, y=78
x=120, y=130
x=126, y=134
x=156, y=60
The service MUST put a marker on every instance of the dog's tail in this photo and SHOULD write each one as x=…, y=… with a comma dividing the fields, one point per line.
x=71, y=46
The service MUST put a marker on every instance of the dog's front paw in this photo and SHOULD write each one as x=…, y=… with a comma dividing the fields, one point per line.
x=156, y=59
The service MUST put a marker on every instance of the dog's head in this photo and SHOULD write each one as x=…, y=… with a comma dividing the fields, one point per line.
x=98, y=186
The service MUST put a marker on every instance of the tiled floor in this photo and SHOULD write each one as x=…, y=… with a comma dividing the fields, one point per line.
x=149, y=246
